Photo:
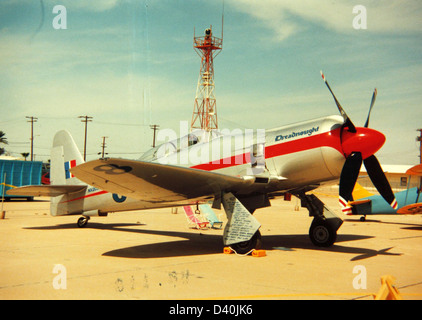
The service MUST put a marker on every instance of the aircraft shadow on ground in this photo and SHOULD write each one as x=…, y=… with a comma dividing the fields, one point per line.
x=201, y=243
x=409, y=226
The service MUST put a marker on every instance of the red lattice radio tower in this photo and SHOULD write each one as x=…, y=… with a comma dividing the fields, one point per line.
x=205, y=108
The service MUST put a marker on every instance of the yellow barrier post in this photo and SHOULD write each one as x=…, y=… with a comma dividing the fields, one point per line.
x=2, y=212
x=388, y=291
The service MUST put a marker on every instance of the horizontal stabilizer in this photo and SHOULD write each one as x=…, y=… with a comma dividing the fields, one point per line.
x=45, y=190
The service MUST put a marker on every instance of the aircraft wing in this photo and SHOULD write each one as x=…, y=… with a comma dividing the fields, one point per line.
x=156, y=182
x=359, y=202
x=416, y=170
x=45, y=190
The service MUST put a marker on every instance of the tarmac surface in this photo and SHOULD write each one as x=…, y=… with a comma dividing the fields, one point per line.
x=154, y=254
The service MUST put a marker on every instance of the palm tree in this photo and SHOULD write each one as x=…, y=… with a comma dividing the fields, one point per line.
x=3, y=139
x=25, y=155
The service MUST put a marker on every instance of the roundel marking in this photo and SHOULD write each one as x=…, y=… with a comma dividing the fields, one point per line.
x=118, y=199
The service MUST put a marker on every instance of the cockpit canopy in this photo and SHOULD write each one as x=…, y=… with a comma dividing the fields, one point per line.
x=173, y=146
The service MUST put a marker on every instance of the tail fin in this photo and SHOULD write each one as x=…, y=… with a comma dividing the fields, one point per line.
x=64, y=156
x=360, y=192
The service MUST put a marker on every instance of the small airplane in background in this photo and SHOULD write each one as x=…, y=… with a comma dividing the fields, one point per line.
x=409, y=201
x=208, y=167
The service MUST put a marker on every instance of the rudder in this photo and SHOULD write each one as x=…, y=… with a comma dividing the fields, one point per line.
x=64, y=156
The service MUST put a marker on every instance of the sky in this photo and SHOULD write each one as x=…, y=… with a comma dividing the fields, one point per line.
x=130, y=64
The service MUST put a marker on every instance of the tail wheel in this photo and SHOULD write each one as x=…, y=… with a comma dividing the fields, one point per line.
x=83, y=221
x=247, y=246
x=322, y=234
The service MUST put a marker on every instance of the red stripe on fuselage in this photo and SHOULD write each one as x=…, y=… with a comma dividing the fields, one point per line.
x=327, y=139
x=87, y=196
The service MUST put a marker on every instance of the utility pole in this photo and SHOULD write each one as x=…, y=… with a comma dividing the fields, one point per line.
x=85, y=119
x=420, y=144
x=419, y=139
x=32, y=120
x=103, y=146
x=155, y=128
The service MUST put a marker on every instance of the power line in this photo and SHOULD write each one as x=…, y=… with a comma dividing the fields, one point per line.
x=121, y=124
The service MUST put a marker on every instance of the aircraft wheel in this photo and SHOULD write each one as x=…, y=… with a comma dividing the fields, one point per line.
x=82, y=222
x=322, y=234
x=363, y=218
x=246, y=246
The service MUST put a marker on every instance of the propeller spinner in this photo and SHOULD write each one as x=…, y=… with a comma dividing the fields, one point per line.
x=359, y=145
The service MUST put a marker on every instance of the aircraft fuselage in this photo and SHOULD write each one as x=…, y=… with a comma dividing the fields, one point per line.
x=281, y=159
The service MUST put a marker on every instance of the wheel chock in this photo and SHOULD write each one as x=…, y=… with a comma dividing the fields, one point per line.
x=227, y=250
x=254, y=252
x=259, y=253
x=388, y=291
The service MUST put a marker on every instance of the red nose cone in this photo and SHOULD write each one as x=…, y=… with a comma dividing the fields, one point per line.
x=364, y=140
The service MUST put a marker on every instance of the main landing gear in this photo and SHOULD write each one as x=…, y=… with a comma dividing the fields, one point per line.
x=242, y=229
x=247, y=246
x=323, y=230
x=322, y=233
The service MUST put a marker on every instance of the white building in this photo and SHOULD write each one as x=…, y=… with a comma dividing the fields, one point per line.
x=396, y=175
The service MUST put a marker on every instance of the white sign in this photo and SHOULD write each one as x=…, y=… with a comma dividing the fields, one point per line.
x=241, y=225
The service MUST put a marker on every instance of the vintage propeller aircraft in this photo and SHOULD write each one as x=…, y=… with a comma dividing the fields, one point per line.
x=212, y=167
x=409, y=201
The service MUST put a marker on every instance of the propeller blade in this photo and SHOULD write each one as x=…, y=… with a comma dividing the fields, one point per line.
x=347, y=122
x=374, y=96
x=348, y=177
x=379, y=180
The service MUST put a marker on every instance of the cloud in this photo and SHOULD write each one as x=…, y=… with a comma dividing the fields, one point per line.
x=286, y=17
x=92, y=5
